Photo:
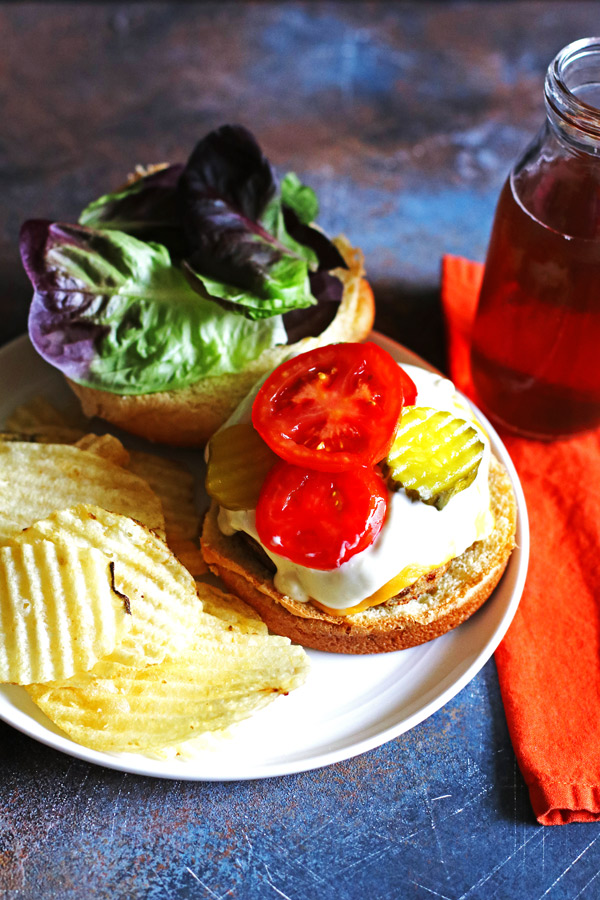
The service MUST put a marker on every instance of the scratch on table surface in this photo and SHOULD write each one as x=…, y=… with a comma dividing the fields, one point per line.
x=163, y=885
x=250, y=846
x=579, y=893
x=200, y=882
x=115, y=812
x=369, y=857
x=434, y=829
x=543, y=852
x=270, y=880
x=450, y=815
x=568, y=869
x=497, y=868
x=290, y=861
x=321, y=828
x=294, y=858
x=430, y=891
x=80, y=788
x=306, y=869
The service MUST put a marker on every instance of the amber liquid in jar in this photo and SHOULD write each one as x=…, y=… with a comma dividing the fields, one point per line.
x=536, y=341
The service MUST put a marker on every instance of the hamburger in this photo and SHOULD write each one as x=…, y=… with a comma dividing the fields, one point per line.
x=358, y=510
x=168, y=298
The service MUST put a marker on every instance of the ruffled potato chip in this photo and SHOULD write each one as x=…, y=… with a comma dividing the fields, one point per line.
x=43, y=434
x=36, y=479
x=105, y=445
x=59, y=613
x=39, y=412
x=175, y=486
x=229, y=672
x=161, y=592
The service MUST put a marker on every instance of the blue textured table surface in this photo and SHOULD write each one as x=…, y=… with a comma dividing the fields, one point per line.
x=405, y=117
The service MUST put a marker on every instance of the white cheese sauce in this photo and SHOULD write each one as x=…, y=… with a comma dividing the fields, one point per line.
x=413, y=534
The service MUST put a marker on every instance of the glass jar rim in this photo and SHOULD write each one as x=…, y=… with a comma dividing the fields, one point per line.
x=580, y=120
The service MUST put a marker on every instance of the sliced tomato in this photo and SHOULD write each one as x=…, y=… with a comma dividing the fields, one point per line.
x=320, y=519
x=333, y=408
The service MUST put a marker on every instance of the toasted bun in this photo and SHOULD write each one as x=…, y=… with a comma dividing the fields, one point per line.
x=431, y=608
x=189, y=416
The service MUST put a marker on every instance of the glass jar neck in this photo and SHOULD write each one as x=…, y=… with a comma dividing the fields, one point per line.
x=572, y=95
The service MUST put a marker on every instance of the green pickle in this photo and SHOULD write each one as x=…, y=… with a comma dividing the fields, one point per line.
x=434, y=455
x=238, y=462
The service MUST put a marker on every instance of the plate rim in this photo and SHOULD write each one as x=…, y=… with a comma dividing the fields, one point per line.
x=183, y=769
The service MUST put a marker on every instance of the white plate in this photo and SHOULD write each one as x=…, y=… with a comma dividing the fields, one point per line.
x=348, y=705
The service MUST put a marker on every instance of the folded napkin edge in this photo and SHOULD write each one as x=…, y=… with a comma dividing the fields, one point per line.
x=561, y=802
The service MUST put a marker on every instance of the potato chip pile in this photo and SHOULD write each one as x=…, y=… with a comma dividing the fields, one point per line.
x=101, y=619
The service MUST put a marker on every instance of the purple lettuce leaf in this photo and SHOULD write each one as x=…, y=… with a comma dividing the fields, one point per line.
x=327, y=253
x=233, y=217
x=71, y=347
x=312, y=321
x=147, y=208
x=228, y=166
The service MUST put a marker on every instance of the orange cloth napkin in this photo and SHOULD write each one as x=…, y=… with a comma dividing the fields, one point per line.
x=549, y=662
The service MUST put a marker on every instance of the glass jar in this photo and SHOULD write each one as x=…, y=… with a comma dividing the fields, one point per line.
x=536, y=340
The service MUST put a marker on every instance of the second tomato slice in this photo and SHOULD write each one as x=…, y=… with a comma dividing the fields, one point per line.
x=320, y=519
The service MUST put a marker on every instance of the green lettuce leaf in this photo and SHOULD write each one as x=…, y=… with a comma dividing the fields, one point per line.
x=300, y=198
x=113, y=313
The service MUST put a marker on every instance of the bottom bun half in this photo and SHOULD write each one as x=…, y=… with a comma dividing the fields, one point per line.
x=189, y=416
x=430, y=608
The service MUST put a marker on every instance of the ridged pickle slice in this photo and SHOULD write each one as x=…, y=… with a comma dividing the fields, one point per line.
x=434, y=455
x=238, y=462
